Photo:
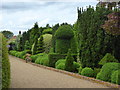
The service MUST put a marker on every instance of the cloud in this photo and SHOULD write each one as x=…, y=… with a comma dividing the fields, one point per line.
x=22, y=15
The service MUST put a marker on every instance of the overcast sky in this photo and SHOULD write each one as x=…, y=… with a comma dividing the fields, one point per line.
x=21, y=15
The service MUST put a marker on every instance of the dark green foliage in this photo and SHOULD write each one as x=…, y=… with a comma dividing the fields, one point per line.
x=106, y=71
x=96, y=71
x=64, y=32
x=60, y=66
x=40, y=43
x=27, y=45
x=107, y=58
x=93, y=40
x=5, y=63
x=89, y=72
x=54, y=57
x=69, y=62
x=115, y=77
x=60, y=61
x=7, y=34
x=54, y=29
x=12, y=52
x=76, y=64
x=34, y=57
x=62, y=46
x=35, y=34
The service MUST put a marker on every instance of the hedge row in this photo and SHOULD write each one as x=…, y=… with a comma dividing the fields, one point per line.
x=5, y=64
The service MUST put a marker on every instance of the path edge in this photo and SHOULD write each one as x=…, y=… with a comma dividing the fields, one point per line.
x=111, y=85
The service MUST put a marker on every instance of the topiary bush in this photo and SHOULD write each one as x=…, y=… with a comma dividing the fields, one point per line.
x=69, y=62
x=63, y=36
x=106, y=71
x=79, y=70
x=96, y=71
x=60, y=61
x=5, y=63
x=76, y=65
x=115, y=77
x=60, y=66
x=89, y=72
x=107, y=58
x=64, y=32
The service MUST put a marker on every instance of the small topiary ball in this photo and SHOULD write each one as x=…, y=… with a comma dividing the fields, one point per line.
x=87, y=72
x=64, y=32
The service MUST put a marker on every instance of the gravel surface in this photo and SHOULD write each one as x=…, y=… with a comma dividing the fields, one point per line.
x=25, y=75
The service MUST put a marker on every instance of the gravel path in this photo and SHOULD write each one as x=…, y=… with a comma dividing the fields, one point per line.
x=25, y=75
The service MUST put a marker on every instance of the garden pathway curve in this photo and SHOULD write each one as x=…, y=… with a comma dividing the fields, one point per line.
x=25, y=75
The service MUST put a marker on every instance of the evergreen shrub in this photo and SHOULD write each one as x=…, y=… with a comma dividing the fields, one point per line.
x=106, y=71
x=89, y=72
x=5, y=63
x=107, y=58
x=115, y=77
x=60, y=66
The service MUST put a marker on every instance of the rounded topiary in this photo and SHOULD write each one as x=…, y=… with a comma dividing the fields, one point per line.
x=107, y=58
x=115, y=77
x=64, y=32
x=60, y=66
x=106, y=71
x=60, y=61
x=87, y=72
x=76, y=64
x=5, y=63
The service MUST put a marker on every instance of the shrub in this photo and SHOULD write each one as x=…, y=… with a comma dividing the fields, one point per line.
x=106, y=71
x=37, y=61
x=96, y=71
x=87, y=72
x=61, y=66
x=54, y=57
x=64, y=32
x=107, y=58
x=79, y=70
x=115, y=77
x=22, y=54
x=69, y=62
x=76, y=64
x=33, y=57
x=5, y=63
x=43, y=59
x=60, y=61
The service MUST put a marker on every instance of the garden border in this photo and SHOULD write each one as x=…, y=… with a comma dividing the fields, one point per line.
x=111, y=85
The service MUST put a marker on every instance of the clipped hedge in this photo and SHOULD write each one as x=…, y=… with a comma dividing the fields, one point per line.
x=107, y=58
x=89, y=72
x=115, y=77
x=54, y=57
x=106, y=71
x=5, y=63
x=64, y=32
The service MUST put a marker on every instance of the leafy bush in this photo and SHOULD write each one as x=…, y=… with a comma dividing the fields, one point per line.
x=61, y=66
x=76, y=64
x=60, y=61
x=69, y=62
x=64, y=32
x=37, y=61
x=79, y=70
x=5, y=63
x=96, y=71
x=107, y=58
x=106, y=71
x=22, y=54
x=87, y=72
x=33, y=57
x=115, y=77
x=12, y=52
